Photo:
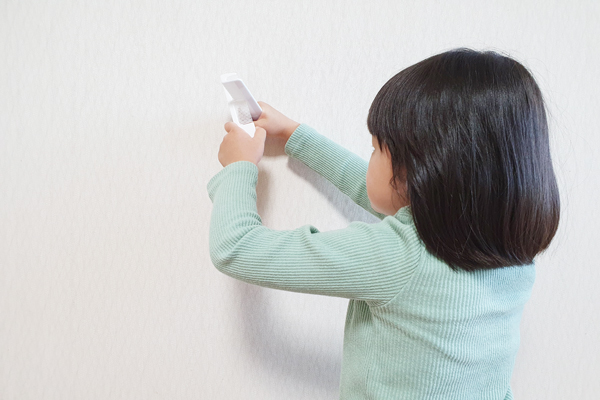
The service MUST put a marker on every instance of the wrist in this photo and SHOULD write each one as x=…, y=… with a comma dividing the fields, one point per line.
x=291, y=130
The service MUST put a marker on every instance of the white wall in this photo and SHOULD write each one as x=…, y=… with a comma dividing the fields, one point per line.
x=111, y=116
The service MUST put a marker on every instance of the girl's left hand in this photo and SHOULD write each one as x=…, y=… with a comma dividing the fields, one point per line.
x=237, y=145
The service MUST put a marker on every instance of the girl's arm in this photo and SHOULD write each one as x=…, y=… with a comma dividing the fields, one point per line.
x=345, y=169
x=369, y=262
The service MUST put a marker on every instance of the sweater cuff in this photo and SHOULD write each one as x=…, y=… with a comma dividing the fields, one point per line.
x=298, y=138
x=240, y=172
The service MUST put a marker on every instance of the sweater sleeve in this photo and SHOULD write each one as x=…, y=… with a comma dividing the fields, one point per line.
x=368, y=262
x=346, y=170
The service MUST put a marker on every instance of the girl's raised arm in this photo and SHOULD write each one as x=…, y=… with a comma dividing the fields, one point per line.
x=369, y=262
x=345, y=169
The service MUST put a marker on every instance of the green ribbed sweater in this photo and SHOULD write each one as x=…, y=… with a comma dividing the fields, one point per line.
x=415, y=329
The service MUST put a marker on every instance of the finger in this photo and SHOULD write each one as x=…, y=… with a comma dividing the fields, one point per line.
x=231, y=127
x=260, y=134
x=262, y=105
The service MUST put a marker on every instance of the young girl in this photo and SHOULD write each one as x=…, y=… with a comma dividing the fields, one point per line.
x=462, y=180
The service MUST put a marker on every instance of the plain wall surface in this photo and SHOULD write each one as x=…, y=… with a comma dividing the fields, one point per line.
x=111, y=118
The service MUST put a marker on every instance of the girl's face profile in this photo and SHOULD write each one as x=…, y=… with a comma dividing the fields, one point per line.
x=382, y=196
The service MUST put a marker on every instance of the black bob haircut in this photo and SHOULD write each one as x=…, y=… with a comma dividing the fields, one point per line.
x=467, y=133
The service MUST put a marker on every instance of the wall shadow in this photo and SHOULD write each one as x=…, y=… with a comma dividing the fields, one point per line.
x=344, y=204
x=275, y=350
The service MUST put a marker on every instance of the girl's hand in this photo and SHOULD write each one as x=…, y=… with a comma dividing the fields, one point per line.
x=237, y=145
x=275, y=123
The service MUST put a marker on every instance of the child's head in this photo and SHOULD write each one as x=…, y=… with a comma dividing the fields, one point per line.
x=467, y=139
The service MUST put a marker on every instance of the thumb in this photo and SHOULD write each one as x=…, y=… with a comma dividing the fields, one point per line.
x=260, y=134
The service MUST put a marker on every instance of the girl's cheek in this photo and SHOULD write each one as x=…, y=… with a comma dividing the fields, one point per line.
x=368, y=179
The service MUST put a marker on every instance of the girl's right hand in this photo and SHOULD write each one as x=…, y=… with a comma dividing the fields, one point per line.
x=275, y=123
